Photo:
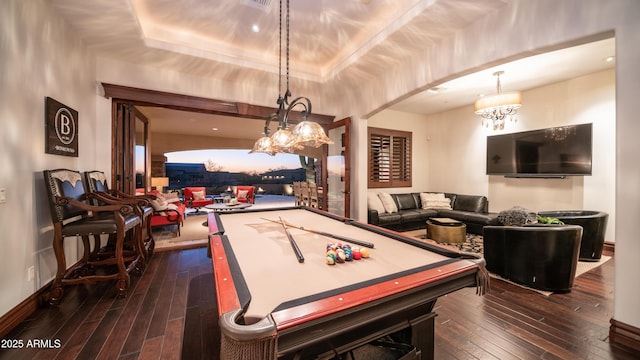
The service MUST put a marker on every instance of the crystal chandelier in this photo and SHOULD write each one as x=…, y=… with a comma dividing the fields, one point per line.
x=305, y=133
x=494, y=108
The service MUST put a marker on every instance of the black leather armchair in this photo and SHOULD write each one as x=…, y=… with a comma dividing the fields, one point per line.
x=542, y=257
x=594, y=228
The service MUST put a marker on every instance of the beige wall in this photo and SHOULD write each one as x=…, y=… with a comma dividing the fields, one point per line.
x=588, y=99
x=450, y=149
x=40, y=57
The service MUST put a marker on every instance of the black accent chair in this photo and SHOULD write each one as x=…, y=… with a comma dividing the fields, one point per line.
x=97, y=183
x=542, y=257
x=594, y=228
x=73, y=216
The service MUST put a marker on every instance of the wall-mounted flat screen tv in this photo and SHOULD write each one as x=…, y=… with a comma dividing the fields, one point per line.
x=553, y=152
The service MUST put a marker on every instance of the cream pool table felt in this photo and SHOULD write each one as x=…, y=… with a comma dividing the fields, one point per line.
x=275, y=306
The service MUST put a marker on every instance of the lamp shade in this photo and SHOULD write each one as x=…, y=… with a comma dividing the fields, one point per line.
x=159, y=181
x=283, y=141
x=309, y=133
x=263, y=145
x=491, y=103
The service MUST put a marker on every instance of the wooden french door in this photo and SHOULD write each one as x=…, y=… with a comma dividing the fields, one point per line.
x=130, y=149
x=124, y=100
x=336, y=177
x=122, y=168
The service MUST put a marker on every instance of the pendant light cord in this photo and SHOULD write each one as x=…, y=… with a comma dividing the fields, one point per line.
x=287, y=92
x=280, y=57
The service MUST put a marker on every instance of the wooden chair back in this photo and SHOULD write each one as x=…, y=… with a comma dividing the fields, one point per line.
x=313, y=196
x=304, y=190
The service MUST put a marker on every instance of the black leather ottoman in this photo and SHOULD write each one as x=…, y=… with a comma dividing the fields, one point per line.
x=594, y=227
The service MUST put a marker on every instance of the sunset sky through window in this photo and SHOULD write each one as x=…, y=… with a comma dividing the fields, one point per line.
x=236, y=160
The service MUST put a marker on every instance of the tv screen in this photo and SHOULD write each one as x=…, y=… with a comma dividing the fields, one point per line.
x=559, y=151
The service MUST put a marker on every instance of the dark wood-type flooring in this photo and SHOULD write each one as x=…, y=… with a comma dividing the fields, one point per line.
x=170, y=313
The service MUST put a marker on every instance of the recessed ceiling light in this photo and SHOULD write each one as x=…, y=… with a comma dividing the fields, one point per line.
x=214, y=129
x=609, y=59
x=255, y=28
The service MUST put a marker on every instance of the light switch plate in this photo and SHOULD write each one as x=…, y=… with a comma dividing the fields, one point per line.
x=3, y=196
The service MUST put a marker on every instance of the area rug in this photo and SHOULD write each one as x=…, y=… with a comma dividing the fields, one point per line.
x=474, y=244
x=192, y=234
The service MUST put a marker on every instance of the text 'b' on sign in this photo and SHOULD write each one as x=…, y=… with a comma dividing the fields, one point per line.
x=61, y=129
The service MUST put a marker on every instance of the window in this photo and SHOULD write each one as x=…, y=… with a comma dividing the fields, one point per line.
x=389, y=158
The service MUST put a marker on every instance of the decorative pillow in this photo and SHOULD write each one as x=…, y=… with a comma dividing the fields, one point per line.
x=198, y=195
x=388, y=203
x=159, y=203
x=158, y=194
x=242, y=194
x=169, y=207
x=171, y=197
x=517, y=216
x=432, y=196
x=374, y=203
x=435, y=201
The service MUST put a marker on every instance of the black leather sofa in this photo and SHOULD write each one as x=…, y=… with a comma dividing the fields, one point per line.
x=594, y=228
x=469, y=209
x=540, y=256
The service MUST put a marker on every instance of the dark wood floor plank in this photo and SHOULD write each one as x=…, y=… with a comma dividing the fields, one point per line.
x=465, y=330
x=171, y=313
x=128, y=318
x=193, y=336
x=73, y=347
x=161, y=280
x=152, y=349
x=172, y=344
x=464, y=341
x=139, y=328
x=180, y=293
x=489, y=329
x=96, y=340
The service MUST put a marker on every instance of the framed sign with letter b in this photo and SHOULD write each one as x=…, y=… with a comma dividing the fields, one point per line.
x=61, y=129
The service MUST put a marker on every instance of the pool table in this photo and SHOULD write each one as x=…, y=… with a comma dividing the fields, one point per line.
x=271, y=305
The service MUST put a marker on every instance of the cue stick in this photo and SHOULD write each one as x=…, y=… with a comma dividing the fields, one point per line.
x=295, y=247
x=337, y=237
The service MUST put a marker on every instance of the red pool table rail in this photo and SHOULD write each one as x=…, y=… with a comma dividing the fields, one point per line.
x=225, y=286
x=297, y=315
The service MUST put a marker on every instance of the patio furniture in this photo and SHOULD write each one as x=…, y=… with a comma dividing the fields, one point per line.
x=196, y=198
x=246, y=194
x=166, y=211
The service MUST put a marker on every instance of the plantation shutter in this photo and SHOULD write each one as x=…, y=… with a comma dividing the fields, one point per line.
x=389, y=158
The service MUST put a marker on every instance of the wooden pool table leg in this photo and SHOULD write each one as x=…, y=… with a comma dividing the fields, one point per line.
x=423, y=335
